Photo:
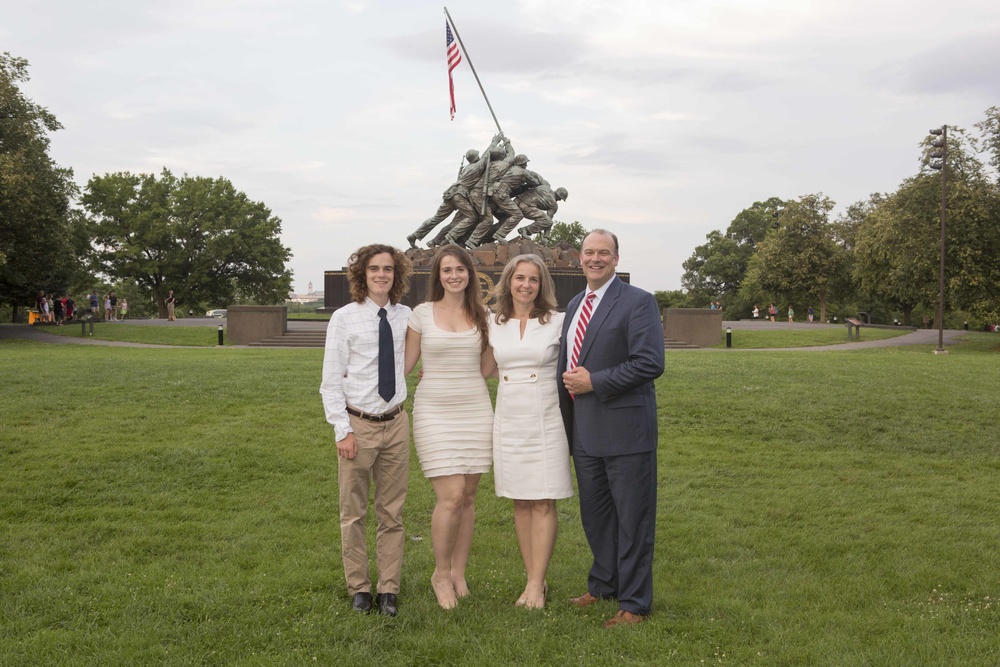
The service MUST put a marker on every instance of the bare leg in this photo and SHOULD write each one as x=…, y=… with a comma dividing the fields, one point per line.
x=463, y=541
x=445, y=526
x=522, y=526
x=544, y=525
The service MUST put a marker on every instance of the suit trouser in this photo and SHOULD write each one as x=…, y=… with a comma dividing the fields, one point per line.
x=618, y=510
x=383, y=457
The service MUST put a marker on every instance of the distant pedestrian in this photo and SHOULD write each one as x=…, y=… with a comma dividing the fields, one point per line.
x=70, y=308
x=107, y=308
x=46, y=315
x=59, y=310
x=810, y=313
x=791, y=314
x=124, y=308
x=171, y=300
x=756, y=312
x=95, y=304
x=772, y=312
x=114, y=305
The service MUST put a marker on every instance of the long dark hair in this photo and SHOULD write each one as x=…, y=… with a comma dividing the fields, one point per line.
x=472, y=302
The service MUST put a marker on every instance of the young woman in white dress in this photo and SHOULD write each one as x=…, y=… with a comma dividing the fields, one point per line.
x=452, y=413
x=530, y=451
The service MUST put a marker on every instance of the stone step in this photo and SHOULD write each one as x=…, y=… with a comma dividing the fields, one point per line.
x=294, y=339
x=671, y=344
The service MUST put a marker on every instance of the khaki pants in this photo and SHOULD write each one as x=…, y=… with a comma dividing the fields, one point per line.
x=383, y=457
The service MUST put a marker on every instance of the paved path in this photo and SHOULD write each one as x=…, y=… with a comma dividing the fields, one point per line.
x=41, y=333
x=918, y=337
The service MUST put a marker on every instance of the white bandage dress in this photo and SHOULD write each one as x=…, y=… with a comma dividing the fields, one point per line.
x=452, y=414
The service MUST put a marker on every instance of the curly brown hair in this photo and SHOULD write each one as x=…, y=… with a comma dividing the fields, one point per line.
x=472, y=303
x=357, y=267
x=545, y=300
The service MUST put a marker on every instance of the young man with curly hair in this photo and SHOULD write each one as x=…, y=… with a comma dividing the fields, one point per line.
x=363, y=391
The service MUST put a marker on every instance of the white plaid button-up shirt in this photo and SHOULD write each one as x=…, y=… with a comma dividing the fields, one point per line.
x=350, y=364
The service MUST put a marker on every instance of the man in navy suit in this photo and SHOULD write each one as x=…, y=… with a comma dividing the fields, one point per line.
x=608, y=401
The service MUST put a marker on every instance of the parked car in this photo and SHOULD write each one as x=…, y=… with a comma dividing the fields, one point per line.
x=219, y=312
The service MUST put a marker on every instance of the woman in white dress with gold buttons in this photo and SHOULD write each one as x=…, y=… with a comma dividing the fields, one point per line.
x=530, y=451
x=452, y=414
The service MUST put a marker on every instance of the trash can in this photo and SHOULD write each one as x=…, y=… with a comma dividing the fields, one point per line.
x=32, y=316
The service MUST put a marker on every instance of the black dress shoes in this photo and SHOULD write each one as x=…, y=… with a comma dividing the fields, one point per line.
x=362, y=602
x=387, y=604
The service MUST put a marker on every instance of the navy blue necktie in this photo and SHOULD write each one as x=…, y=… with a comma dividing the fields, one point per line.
x=386, y=359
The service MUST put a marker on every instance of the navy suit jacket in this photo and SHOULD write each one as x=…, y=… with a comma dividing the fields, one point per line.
x=623, y=351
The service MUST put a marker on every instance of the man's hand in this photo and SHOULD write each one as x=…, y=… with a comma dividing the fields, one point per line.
x=577, y=381
x=348, y=447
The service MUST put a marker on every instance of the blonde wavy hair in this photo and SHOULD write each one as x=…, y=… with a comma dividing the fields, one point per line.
x=545, y=300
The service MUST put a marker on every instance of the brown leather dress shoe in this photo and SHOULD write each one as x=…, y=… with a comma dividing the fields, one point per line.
x=623, y=618
x=584, y=600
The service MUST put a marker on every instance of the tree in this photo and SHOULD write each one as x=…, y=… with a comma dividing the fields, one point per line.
x=197, y=236
x=989, y=129
x=38, y=237
x=801, y=261
x=716, y=269
x=571, y=233
x=898, y=243
x=671, y=299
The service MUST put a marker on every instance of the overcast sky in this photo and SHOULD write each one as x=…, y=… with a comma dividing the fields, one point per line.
x=663, y=119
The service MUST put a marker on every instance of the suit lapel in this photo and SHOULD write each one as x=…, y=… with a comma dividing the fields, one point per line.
x=600, y=315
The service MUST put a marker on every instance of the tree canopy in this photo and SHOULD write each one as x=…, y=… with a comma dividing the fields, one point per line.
x=572, y=233
x=803, y=259
x=39, y=239
x=197, y=236
x=716, y=269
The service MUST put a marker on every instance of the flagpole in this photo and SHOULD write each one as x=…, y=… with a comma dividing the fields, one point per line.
x=473, y=67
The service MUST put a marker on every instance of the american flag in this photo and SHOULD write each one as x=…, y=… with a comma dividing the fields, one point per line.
x=454, y=58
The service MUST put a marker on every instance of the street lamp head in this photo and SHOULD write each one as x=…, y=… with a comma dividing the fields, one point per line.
x=936, y=131
x=937, y=154
x=938, y=143
x=937, y=165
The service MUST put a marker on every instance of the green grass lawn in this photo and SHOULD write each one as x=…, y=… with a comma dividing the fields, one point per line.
x=179, y=506
x=308, y=316
x=197, y=336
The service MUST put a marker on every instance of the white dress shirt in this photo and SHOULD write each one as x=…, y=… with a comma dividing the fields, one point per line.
x=350, y=364
x=571, y=332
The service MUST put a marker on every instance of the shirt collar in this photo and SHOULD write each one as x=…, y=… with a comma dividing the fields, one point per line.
x=374, y=307
x=600, y=291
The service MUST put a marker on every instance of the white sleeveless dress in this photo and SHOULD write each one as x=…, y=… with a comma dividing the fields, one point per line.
x=530, y=450
x=452, y=413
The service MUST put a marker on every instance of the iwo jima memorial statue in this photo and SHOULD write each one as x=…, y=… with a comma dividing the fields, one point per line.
x=493, y=194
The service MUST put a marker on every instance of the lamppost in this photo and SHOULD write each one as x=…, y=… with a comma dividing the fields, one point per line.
x=940, y=162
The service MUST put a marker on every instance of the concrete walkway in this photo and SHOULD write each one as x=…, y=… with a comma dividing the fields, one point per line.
x=918, y=337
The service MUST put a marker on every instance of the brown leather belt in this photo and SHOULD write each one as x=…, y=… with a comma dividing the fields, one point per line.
x=384, y=417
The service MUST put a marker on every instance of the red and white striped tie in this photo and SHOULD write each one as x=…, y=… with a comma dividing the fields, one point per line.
x=581, y=328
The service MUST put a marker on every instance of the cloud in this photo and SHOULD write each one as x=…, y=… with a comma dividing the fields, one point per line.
x=496, y=47
x=962, y=65
x=617, y=151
